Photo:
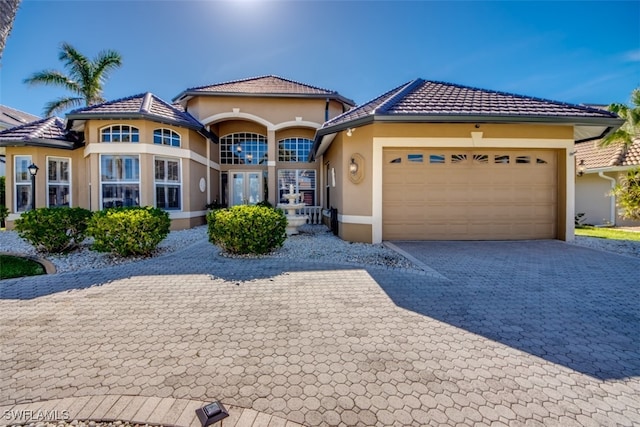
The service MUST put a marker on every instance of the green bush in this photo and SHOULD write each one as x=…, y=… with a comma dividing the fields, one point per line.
x=627, y=192
x=247, y=229
x=53, y=230
x=129, y=231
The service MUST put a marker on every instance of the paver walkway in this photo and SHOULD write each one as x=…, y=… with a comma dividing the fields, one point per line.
x=535, y=333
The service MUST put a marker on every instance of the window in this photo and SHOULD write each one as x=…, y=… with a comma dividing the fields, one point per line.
x=480, y=158
x=504, y=159
x=294, y=149
x=303, y=181
x=58, y=181
x=120, y=180
x=415, y=158
x=120, y=133
x=458, y=158
x=22, y=183
x=167, y=180
x=166, y=137
x=523, y=159
x=243, y=149
x=396, y=160
x=436, y=158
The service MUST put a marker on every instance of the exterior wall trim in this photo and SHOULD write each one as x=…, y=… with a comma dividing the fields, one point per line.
x=141, y=148
x=186, y=214
x=474, y=141
x=252, y=117
x=355, y=219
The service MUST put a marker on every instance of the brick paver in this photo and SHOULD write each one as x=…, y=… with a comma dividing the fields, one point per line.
x=514, y=333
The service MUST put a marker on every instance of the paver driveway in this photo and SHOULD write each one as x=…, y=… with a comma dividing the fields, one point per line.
x=536, y=333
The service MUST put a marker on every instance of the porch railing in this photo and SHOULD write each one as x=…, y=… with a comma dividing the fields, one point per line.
x=313, y=213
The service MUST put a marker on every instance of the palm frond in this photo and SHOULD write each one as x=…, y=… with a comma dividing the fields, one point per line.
x=61, y=104
x=620, y=136
x=52, y=78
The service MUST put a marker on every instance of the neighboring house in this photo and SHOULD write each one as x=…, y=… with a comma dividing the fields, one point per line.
x=430, y=160
x=10, y=117
x=598, y=171
x=426, y=160
x=232, y=143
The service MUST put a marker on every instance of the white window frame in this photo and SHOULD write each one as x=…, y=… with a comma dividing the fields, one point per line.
x=283, y=187
x=165, y=183
x=22, y=183
x=120, y=181
x=132, y=131
x=298, y=142
x=168, y=135
x=59, y=183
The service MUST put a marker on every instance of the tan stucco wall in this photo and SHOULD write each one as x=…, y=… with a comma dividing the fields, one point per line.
x=274, y=110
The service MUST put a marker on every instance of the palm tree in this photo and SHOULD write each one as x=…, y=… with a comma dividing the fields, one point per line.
x=85, y=78
x=8, y=10
x=630, y=130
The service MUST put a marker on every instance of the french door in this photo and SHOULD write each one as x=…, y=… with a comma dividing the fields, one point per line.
x=245, y=188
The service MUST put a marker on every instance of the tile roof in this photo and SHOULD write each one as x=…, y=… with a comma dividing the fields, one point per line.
x=447, y=100
x=269, y=85
x=11, y=117
x=50, y=132
x=144, y=105
x=596, y=157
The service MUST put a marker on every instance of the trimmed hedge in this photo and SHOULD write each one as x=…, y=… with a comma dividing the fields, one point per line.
x=129, y=231
x=54, y=230
x=247, y=229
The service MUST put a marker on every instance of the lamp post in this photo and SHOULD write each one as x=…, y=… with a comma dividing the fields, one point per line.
x=33, y=170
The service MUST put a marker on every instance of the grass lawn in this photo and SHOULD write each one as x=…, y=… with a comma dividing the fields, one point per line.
x=607, y=233
x=12, y=266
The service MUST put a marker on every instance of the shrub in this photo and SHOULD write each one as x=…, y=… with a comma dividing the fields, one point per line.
x=53, y=230
x=627, y=193
x=129, y=231
x=247, y=229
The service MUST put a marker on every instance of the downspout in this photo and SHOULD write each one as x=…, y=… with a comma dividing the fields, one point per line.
x=613, y=198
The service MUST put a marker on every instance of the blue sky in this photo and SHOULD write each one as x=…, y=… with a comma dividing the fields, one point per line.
x=575, y=51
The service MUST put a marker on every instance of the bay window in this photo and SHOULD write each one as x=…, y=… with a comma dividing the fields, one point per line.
x=22, y=179
x=168, y=183
x=120, y=180
x=58, y=181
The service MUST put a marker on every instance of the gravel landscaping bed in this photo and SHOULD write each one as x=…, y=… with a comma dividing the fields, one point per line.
x=315, y=243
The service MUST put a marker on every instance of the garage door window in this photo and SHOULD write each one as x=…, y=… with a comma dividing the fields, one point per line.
x=501, y=160
x=523, y=160
x=436, y=159
x=415, y=158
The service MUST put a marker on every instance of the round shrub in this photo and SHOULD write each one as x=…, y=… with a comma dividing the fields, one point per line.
x=129, y=231
x=247, y=229
x=53, y=230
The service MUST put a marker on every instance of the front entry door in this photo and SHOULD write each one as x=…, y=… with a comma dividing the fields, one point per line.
x=246, y=188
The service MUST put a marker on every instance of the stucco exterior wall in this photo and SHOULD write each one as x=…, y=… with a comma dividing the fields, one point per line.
x=593, y=199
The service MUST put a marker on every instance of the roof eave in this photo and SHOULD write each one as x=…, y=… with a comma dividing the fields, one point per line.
x=338, y=97
x=133, y=116
x=39, y=142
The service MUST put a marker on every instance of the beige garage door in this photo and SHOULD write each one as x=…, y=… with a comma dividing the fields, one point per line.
x=448, y=194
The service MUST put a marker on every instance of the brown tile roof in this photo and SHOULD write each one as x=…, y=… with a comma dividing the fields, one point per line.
x=447, y=100
x=10, y=117
x=596, y=157
x=49, y=132
x=145, y=105
x=267, y=86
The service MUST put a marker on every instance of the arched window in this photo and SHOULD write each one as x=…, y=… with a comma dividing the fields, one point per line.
x=166, y=137
x=120, y=133
x=243, y=148
x=294, y=149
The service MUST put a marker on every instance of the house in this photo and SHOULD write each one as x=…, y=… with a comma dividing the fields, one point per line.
x=599, y=170
x=231, y=143
x=431, y=160
x=425, y=160
x=10, y=117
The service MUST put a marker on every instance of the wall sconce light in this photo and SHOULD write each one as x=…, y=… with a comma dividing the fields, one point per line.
x=212, y=413
x=353, y=167
x=581, y=167
x=356, y=168
x=249, y=157
x=239, y=149
x=477, y=126
x=350, y=131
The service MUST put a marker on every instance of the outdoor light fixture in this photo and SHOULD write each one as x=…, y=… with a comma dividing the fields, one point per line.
x=581, y=167
x=249, y=157
x=350, y=131
x=212, y=413
x=353, y=167
x=356, y=168
x=33, y=171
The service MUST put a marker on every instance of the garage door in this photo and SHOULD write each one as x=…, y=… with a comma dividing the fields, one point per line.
x=448, y=194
